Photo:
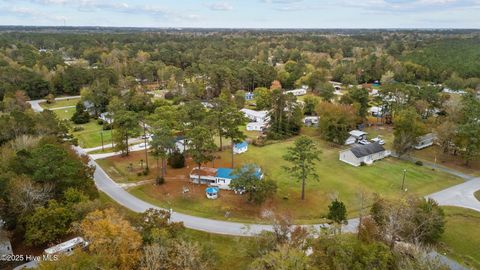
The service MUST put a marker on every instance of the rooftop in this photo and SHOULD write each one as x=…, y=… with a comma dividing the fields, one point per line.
x=261, y=114
x=366, y=150
x=204, y=171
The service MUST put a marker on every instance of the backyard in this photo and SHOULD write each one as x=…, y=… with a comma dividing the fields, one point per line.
x=336, y=179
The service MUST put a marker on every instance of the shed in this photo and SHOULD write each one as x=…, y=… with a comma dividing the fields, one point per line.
x=5, y=245
x=239, y=148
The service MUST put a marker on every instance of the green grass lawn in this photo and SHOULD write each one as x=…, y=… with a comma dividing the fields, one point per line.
x=336, y=179
x=461, y=240
x=65, y=114
x=60, y=103
x=91, y=136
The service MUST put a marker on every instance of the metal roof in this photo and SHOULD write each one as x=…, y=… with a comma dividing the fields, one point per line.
x=366, y=150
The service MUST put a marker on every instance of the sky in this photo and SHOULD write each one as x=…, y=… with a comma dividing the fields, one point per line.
x=244, y=13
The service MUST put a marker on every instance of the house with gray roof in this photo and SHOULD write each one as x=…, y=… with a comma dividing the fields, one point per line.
x=366, y=154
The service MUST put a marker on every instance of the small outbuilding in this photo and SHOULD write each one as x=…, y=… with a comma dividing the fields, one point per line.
x=366, y=154
x=239, y=148
x=5, y=245
x=212, y=193
x=356, y=136
x=311, y=121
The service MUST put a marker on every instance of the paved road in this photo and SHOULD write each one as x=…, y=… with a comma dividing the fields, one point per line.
x=36, y=103
x=460, y=195
x=118, y=194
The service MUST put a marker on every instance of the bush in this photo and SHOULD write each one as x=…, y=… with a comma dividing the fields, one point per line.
x=145, y=171
x=100, y=121
x=169, y=95
x=160, y=180
x=176, y=160
x=107, y=126
x=419, y=163
x=363, y=164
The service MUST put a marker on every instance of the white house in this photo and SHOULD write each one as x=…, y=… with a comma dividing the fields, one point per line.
x=298, y=92
x=336, y=85
x=106, y=117
x=425, y=141
x=239, y=148
x=216, y=177
x=366, y=154
x=375, y=111
x=259, y=119
x=356, y=136
x=255, y=116
x=311, y=120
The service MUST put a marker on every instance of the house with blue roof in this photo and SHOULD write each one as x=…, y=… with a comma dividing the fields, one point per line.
x=239, y=148
x=216, y=177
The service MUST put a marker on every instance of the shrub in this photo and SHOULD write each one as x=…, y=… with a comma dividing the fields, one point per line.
x=145, y=171
x=107, y=126
x=363, y=164
x=100, y=121
x=176, y=160
x=160, y=180
x=169, y=95
x=419, y=163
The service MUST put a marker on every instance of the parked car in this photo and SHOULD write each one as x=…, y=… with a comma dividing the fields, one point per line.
x=364, y=142
x=378, y=140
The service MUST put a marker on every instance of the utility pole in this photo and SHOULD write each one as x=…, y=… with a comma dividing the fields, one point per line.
x=145, y=140
x=403, y=181
x=101, y=136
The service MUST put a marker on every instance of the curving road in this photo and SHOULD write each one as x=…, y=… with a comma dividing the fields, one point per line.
x=458, y=195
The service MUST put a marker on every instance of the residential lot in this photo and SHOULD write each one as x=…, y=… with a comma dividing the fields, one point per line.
x=336, y=179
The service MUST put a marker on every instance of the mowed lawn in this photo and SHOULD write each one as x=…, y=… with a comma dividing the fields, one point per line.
x=91, y=135
x=64, y=114
x=461, y=240
x=60, y=103
x=336, y=180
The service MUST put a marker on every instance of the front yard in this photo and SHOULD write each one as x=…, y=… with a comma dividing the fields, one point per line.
x=336, y=179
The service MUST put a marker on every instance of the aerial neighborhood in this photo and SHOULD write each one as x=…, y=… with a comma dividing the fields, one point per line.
x=126, y=148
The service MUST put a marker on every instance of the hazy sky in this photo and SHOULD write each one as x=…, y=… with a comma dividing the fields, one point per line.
x=245, y=13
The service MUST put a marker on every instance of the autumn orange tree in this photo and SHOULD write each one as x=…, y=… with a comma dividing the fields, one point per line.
x=110, y=235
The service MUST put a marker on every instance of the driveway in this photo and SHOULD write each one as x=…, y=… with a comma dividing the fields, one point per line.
x=460, y=195
x=36, y=103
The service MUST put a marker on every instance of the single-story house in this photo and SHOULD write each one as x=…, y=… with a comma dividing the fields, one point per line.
x=356, y=136
x=5, y=245
x=239, y=148
x=336, y=85
x=256, y=126
x=375, y=111
x=366, y=154
x=249, y=96
x=259, y=119
x=311, y=120
x=255, y=116
x=425, y=141
x=106, y=117
x=216, y=177
x=298, y=92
